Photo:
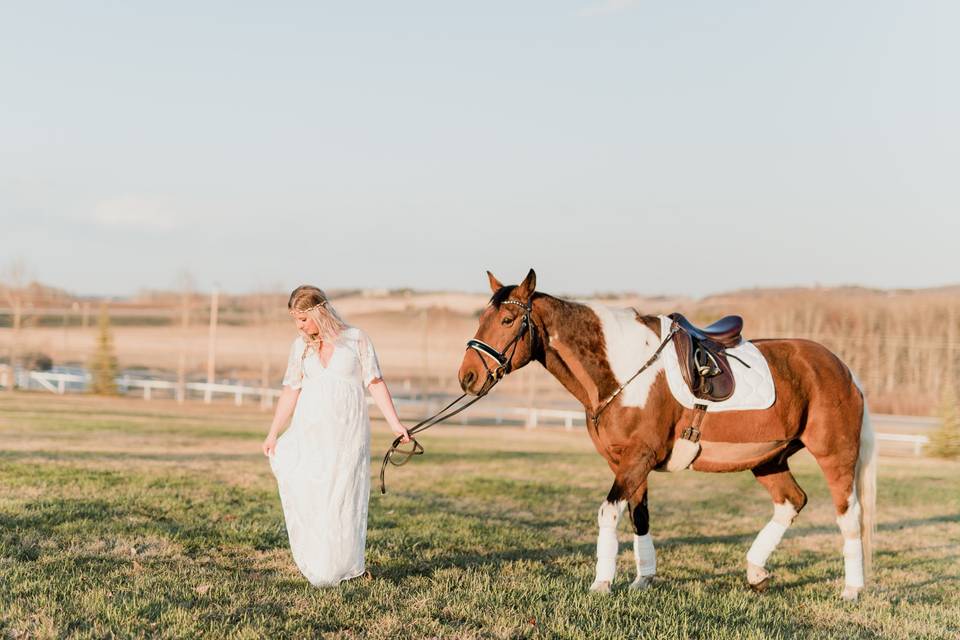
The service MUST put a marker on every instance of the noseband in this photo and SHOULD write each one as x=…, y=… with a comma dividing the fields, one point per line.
x=504, y=360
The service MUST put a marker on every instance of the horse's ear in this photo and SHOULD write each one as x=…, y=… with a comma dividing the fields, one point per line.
x=495, y=285
x=528, y=286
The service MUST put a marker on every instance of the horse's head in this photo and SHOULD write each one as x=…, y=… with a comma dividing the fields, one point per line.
x=504, y=340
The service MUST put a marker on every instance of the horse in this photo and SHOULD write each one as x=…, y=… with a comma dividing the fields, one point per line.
x=593, y=349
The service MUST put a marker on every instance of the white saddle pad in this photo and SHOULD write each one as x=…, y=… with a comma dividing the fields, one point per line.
x=754, y=385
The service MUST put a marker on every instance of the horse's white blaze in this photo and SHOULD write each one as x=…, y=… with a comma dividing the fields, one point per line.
x=849, y=524
x=607, y=546
x=771, y=534
x=630, y=344
x=645, y=555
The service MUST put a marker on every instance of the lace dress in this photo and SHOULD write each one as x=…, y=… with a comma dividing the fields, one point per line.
x=322, y=461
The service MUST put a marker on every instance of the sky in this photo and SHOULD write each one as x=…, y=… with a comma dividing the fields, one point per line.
x=613, y=145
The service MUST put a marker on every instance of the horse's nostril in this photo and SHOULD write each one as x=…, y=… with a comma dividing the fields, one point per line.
x=467, y=380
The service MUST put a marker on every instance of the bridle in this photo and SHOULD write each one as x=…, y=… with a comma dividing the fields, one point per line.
x=503, y=360
x=399, y=457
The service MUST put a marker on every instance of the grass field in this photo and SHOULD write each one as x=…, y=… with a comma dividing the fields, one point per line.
x=121, y=518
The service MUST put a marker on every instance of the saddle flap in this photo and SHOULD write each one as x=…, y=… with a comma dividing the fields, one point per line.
x=703, y=364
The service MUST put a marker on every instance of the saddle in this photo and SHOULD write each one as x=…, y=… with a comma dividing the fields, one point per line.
x=702, y=355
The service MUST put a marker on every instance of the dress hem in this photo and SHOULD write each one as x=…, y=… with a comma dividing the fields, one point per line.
x=329, y=585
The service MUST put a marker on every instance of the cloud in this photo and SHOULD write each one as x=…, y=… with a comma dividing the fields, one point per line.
x=607, y=7
x=135, y=213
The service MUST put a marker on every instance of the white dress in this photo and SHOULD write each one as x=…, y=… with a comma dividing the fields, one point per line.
x=322, y=461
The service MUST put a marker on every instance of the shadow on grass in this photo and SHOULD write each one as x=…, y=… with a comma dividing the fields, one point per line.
x=796, y=532
x=195, y=530
x=414, y=565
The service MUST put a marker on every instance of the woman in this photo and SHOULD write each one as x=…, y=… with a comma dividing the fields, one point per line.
x=322, y=462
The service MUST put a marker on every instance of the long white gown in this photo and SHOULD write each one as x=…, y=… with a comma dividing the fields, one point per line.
x=322, y=461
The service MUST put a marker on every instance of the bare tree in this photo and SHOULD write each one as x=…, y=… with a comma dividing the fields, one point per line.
x=13, y=285
x=212, y=343
x=265, y=306
x=186, y=285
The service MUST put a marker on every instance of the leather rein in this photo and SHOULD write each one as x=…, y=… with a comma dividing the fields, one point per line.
x=399, y=457
x=674, y=329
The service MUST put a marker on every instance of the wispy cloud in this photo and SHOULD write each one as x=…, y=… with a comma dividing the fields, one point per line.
x=136, y=213
x=606, y=7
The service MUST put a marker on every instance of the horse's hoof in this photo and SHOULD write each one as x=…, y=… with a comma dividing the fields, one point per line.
x=761, y=586
x=600, y=586
x=641, y=583
x=850, y=594
x=758, y=578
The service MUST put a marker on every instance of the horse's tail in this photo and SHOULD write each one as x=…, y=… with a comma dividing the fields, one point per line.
x=866, y=483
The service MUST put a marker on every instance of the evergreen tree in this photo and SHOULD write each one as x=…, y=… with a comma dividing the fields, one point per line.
x=104, y=364
x=945, y=442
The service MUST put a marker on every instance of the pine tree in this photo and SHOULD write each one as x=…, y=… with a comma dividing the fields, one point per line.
x=104, y=364
x=945, y=442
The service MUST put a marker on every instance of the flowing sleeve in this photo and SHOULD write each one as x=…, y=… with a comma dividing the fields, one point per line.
x=294, y=374
x=369, y=365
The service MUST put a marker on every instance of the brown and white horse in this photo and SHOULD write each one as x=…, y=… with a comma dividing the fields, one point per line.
x=593, y=349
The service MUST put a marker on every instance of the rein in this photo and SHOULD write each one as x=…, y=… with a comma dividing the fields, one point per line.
x=656, y=354
x=504, y=366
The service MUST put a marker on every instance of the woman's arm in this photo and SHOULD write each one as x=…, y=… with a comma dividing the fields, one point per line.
x=381, y=395
x=285, y=406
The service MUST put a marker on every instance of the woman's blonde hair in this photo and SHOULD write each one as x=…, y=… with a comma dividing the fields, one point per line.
x=314, y=302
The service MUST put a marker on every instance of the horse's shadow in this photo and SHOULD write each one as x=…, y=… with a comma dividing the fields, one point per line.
x=799, y=531
x=439, y=559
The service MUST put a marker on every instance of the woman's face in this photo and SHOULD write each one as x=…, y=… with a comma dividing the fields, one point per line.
x=305, y=323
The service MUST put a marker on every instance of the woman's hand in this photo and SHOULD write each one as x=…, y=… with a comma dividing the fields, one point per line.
x=270, y=445
x=401, y=432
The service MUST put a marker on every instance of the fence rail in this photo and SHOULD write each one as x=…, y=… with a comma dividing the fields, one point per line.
x=529, y=417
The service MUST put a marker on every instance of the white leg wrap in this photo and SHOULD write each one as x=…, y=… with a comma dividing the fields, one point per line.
x=607, y=544
x=645, y=555
x=849, y=524
x=853, y=562
x=771, y=534
x=607, y=547
x=767, y=540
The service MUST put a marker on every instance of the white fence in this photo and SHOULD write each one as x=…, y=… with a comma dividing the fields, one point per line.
x=530, y=417
x=915, y=441
x=59, y=383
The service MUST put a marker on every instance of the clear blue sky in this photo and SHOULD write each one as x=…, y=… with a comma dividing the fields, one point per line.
x=659, y=147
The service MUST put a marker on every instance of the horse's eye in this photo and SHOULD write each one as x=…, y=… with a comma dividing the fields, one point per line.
x=507, y=321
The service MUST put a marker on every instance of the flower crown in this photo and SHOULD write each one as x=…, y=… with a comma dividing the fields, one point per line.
x=314, y=307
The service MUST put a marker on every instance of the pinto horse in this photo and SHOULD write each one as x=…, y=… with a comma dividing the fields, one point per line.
x=593, y=349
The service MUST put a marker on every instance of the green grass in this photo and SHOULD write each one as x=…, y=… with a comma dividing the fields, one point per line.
x=123, y=518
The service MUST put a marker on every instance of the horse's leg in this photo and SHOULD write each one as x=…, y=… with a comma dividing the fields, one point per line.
x=607, y=546
x=841, y=482
x=630, y=484
x=850, y=467
x=643, y=551
x=788, y=500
